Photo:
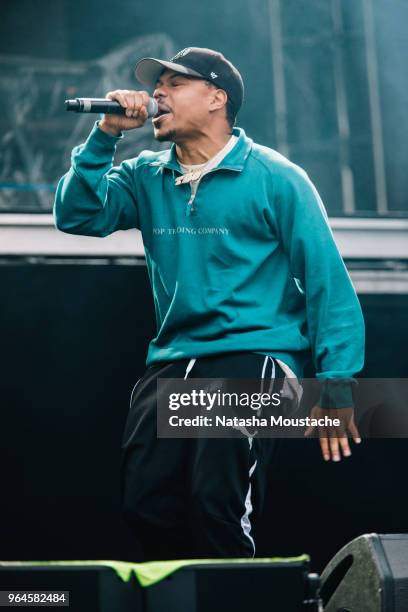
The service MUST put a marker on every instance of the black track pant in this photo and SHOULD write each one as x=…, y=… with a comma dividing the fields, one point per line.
x=201, y=497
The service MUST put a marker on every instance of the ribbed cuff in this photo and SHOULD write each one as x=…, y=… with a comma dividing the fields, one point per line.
x=336, y=393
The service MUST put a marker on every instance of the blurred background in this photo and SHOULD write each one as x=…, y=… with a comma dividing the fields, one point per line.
x=327, y=86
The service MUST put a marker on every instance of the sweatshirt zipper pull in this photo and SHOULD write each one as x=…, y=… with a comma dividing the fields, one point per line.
x=191, y=210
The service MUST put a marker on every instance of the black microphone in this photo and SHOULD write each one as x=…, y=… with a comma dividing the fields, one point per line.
x=103, y=105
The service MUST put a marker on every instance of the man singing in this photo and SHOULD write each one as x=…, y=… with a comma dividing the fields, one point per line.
x=247, y=282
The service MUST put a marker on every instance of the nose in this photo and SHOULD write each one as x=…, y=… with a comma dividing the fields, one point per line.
x=159, y=92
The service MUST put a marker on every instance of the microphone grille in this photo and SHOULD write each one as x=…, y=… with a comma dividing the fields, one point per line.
x=152, y=107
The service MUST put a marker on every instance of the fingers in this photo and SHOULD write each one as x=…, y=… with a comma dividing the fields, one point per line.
x=342, y=435
x=354, y=432
x=345, y=448
x=324, y=445
x=333, y=439
x=330, y=446
x=309, y=431
x=135, y=102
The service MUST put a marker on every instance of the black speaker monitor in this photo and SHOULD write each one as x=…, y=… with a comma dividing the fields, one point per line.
x=369, y=574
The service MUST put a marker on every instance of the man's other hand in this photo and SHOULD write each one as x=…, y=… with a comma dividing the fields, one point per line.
x=333, y=439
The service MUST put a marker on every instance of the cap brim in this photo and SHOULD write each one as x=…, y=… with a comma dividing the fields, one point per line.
x=149, y=69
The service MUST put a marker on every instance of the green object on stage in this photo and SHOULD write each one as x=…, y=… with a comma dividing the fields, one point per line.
x=151, y=572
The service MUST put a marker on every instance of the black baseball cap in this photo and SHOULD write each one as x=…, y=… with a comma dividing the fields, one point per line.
x=199, y=62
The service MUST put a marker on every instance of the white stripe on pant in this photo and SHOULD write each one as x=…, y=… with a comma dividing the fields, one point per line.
x=245, y=520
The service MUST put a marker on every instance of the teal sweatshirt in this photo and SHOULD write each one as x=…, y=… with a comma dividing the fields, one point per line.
x=248, y=264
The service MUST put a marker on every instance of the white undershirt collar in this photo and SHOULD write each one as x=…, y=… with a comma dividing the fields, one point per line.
x=214, y=161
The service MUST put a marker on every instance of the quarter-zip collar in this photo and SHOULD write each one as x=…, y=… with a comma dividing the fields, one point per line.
x=234, y=160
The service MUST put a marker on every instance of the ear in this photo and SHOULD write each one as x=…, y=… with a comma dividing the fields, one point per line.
x=218, y=99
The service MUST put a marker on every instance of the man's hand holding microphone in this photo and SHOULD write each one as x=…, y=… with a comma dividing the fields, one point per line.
x=122, y=109
x=135, y=103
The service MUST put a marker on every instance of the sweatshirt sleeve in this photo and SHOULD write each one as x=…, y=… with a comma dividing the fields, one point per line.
x=94, y=198
x=334, y=316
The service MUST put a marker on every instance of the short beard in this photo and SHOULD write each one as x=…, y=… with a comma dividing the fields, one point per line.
x=170, y=136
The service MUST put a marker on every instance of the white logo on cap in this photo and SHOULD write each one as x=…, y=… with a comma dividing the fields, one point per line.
x=181, y=53
x=213, y=75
